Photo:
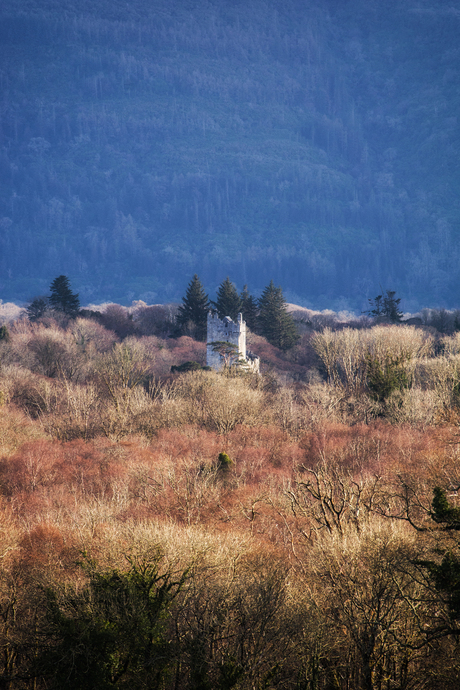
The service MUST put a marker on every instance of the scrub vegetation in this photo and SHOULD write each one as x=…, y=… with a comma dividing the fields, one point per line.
x=194, y=530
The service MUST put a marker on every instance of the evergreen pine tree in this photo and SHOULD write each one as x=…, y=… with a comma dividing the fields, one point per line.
x=38, y=308
x=442, y=512
x=224, y=462
x=193, y=312
x=62, y=298
x=391, y=307
x=228, y=301
x=386, y=305
x=274, y=321
x=377, y=306
x=249, y=309
x=445, y=574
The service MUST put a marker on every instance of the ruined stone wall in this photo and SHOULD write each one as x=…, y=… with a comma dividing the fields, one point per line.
x=227, y=331
x=224, y=330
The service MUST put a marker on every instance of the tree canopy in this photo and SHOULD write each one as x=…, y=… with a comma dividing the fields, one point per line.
x=228, y=302
x=193, y=312
x=445, y=572
x=37, y=308
x=62, y=298
x=274, y=321
x=249, y=309
x=386, y=306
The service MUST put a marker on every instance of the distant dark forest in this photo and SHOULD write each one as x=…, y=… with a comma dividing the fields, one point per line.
x=312, y=142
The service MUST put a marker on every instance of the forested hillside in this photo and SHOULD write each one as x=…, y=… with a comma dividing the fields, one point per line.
x=313, y=143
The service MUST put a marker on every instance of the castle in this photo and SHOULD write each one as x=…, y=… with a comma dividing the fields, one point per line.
x=222, y=334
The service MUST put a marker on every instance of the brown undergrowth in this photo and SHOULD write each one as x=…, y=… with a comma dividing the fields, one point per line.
x=300, y=558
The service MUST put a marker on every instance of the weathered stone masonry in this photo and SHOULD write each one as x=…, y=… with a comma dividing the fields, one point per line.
x=226, y=330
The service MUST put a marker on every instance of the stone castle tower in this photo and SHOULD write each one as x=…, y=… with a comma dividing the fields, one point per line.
x=227, y=331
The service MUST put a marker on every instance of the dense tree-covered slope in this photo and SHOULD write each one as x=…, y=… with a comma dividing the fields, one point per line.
x=313, y=142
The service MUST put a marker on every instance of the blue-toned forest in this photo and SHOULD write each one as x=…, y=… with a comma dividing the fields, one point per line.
x=314, y=143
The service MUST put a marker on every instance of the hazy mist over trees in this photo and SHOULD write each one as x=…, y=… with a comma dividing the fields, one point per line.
x=313, y=143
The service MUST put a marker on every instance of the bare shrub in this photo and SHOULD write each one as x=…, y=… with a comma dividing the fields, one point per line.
x=331, y=498
x=192, y=492
x=325, y=402
x=7, y=380
x=123, y=375
x=451, y=345
x=219, y=403
x=321, y=402
x=119, y=320
x=78, y=413
x=185, y=349
x=91, y=337
x=44, y=547
x=158, y=319
x=46, y=350
x=64, y=409
x=16, y=351
x=286, y=411
x=241, y=619
x=367, y=594
x=33, y=466
x=56, y=354
x=16, y=428
x=122, y=369
x=368, y=368
x=402, y=341
x=344, y=353
x=272, y=358
x=36, y=395
x=129, y=411
x=60, y=473
x=302, y=353
x=441, y=376
x=350, y=363
x=414, y=406
x=327, y=347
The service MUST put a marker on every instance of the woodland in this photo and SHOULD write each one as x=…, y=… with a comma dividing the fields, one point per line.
x=193, y=530
x=315, y=142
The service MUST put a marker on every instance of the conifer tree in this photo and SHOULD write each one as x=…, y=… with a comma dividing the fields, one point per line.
x=37, y=308
x=249, y=309
x=62, y=298
x=274, y=321
x=391, y=307
x=442, y=512
x=228, y=301
x=193, y=312
x=386, y=305
x=445, y=574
